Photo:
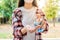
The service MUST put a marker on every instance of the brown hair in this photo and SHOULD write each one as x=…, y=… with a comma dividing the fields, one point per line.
x=21, y=3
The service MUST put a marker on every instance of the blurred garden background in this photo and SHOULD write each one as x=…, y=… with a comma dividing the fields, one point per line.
x=51, y=9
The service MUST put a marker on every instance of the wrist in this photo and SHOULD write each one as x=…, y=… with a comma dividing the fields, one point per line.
x=37, y=27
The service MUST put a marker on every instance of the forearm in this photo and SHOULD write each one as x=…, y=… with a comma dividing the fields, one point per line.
x=25, y=29
x=38, y=26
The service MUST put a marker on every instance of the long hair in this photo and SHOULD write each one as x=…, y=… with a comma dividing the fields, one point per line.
x=21, y=3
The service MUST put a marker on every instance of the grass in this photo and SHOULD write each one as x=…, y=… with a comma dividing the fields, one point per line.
x=6, y=35
x=6, y=31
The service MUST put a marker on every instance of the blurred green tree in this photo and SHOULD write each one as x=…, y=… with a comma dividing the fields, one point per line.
x=6, y=9
x=51, y=10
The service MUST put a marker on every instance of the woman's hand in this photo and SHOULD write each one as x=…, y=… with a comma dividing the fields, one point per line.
x=45, y=32
x=31, y=30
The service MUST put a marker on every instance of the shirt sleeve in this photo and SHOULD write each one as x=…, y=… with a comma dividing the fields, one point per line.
x=42, y=14
x=13, y=21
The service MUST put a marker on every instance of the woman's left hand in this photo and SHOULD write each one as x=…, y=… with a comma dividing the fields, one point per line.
x=45, y=32
x=32, y=29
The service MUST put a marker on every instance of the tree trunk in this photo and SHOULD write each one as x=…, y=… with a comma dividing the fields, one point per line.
x=54, y=22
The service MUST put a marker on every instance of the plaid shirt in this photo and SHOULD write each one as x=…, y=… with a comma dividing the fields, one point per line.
x=17, y=25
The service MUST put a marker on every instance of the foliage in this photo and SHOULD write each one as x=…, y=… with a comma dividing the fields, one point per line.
x=6, y=8
x=51, y=9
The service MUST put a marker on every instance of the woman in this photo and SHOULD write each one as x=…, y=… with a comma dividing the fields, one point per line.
x=28, y=8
